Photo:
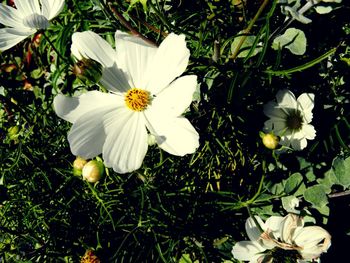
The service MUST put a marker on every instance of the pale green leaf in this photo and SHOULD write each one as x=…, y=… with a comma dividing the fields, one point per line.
x=341, y=169
x=293, y=182
x=293, y=39
x=246, y=46
x=316, y=196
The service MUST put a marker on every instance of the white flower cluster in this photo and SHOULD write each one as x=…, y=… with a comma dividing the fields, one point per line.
x=278, y=234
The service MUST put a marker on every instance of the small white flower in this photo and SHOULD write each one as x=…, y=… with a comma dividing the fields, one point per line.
x=255, y=250
x=28, y=17
x=145, y=97
x=284, y=234
x=290, y=118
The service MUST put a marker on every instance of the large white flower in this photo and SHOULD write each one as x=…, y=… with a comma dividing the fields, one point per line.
x=144, y=97
x=279, y=237
x=290, y=118
x=28, y=17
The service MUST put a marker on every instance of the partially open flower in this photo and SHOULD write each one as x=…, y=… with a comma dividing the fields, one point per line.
x=93, y=171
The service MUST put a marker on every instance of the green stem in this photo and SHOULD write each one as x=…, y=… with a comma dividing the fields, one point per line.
x=307, y=65
x=254, y=219
x=248, y=29
x=126, y=24
x=54, y=48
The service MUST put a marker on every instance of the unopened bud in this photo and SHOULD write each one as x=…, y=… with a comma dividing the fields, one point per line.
x=12, y=133
x=269, y=140
x=151, y=139
x=93, y=171
x=78, y=165
x=88, y=70
x=90, y=257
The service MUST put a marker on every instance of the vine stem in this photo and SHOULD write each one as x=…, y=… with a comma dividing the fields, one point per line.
x=248, y=29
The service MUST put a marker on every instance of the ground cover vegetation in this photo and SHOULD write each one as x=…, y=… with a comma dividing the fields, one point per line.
x=174, y=131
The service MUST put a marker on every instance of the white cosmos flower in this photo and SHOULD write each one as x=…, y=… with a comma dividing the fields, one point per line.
x=255, y=250
x=286, y=234
x=28, y=17
x=144, y=96
x=290, y=118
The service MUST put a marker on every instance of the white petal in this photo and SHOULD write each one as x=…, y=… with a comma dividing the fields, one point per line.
x=126, y=143
x=174, y=135
x=273, y=224
x=278, y=127
x=114, y=79
x=51, y=8
x=286, y=99
x=288, y=226
x=253, y=231
x=305, y=105
x=309, y=131
x=272, y=110
x=134, y=56
x=9, y=37
x=27, y=7
x=10, y=16
x=285, y=140
x=176, y=98
x=36, y=21
x=314, y=240
x=72, y=108
x=87, y=135
x=90, y=45
x=247, y=251
x=169, y=62
x=298, y=141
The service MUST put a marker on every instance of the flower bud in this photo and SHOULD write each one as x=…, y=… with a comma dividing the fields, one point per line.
x=93, y=171
x=90, y=257
x=88, y=70
x=78, y=165
x=269, y=140
x=12, y=133
x=151, y=139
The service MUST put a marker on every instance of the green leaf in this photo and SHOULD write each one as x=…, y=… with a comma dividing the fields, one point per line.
x=246, y=46
x=143, y=2
x=316, y=196
x=292, y=183
x=325, y=212
x=289, y=203
x=341, y=169
x=293, y=39
x=328, y=181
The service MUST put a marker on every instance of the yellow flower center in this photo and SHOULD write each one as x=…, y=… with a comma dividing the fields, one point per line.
x=137, y=99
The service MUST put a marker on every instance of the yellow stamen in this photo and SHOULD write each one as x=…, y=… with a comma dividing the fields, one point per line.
x=137, y=99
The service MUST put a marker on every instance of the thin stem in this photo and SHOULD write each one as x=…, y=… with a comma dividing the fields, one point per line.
x=248, y=29
x=345, y=193
x=126, y=24
x=149, y=26
x=53, y=47
x=258, y=192
x=255, y=221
